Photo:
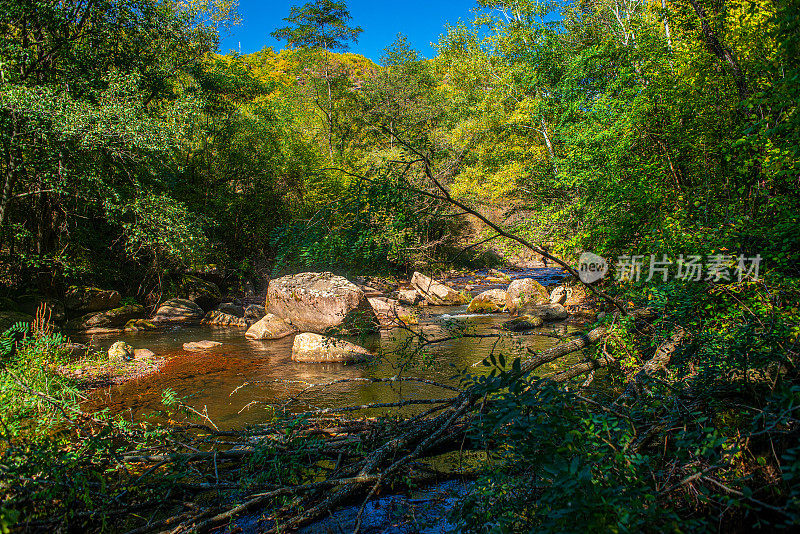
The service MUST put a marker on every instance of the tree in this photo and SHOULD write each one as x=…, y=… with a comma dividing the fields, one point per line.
x=91, y=106
x=321, y=25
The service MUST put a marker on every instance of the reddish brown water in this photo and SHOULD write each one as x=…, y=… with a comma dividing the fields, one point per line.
x=246, y=381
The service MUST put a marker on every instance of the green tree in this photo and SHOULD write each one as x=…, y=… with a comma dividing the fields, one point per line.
x=92, y=107
x=321, y=25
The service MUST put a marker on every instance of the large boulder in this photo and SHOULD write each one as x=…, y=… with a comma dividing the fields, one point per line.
x=310, y=347
x=524, y=292
x=108, y=320
x=270, y=327
x=218, y=318
x=491, y=301
x=90, y=299
x=178, y=311
x=321, y=303
x=435, y=292
x=202, y=292
x=390, y=312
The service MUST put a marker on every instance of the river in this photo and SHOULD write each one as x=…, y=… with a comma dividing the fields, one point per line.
x=246, y=382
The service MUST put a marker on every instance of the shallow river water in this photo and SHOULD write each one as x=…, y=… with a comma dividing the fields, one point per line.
x=245, y=381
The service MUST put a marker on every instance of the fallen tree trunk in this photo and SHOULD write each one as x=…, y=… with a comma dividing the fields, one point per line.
x=589, y=338
x=659, y=361
x=582, y=368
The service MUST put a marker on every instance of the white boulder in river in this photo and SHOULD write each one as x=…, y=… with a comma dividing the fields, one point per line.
x=321, y=303
x=315, y=348
x=525, y=292
x=270, y=327
x=435, y=292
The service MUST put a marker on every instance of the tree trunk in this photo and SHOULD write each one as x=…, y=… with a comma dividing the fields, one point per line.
x=549, y=146
x=667, y=33
x=10, y=179
x=721, y=51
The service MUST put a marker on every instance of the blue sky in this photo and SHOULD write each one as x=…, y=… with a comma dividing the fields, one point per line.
x=421, y=21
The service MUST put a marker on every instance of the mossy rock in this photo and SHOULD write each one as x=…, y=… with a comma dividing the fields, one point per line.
x=491, y=301
x=91, y=299
x=202, y=292
x=120, y=352
x=116, y=318
x=139, y=325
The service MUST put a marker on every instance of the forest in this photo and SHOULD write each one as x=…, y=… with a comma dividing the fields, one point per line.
x=661, y=136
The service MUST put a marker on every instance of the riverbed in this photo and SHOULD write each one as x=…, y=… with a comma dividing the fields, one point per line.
x=248, y=382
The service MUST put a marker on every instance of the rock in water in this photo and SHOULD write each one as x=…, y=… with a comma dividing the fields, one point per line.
x=202, y=292
x=315, y=348
x=321, y=303
x=120, y=352
x=201, y=345
x=218, y=318
x=409, y=296
x=523, y=292
x=229, y=308
x=435, y=292
x=143, y=354
x=491, y=301
x=390, y=312
x=138, y=325
x=270, y=327
x=548, y=312
x=497, y=277
x=178, y=311
x=560, y=295
x=110, y=319
x=523, y=323
x=91, y=299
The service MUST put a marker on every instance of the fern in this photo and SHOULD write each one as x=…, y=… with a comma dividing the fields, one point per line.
x=7, y=338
